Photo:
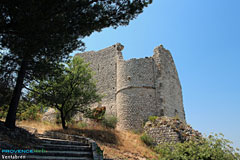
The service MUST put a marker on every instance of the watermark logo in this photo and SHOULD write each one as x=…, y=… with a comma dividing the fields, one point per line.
x=25, y=151
x=19, y=153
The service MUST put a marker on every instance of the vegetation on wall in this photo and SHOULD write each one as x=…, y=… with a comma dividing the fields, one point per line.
x=152, y=118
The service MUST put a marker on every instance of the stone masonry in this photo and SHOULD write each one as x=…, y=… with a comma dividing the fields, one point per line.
x=170, y=130
x=137, y=88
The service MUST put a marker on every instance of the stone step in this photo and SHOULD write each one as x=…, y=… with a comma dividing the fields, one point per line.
x=63, y=147
x=64, y=153
x=61, y=136
x=32, y=157
x=59, y=141
x=81, y=139
x=46, y=145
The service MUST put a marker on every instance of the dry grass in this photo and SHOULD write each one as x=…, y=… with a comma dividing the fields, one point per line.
x=40, y=126
x=115, y=144
x=130, y=147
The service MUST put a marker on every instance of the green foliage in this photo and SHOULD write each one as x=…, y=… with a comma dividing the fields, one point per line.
x=5, y=93
x=137, y=131
x=69, y=90
x=147, y=139
x=58, y=117
x=109, y=122
x=211, y=148
x=27, y=25
x=82, y=124
x=25, y=111
x=3, y=111
x=88, y=113
x=176, y=117
x=30, y=113
x=152, y=118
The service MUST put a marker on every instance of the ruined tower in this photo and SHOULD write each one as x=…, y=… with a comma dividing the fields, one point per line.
x=137, y=88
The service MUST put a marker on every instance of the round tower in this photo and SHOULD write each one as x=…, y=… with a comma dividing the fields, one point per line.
x=135, y=96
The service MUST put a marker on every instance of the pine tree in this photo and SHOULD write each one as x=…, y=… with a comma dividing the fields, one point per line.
x=36, y=35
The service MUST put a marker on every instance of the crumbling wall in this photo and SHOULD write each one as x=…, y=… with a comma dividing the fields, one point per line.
x=168, y=87
x=170, y=130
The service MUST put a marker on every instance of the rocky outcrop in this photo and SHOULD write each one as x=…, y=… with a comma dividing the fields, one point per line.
x=49, y=115
x=169, y=130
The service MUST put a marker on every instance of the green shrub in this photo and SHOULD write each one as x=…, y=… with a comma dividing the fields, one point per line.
x=32, y=113
x=137, y=131
x=152, y=118
x=211, y=148
x=82, y=124
x=109, y=121
x=24, y=112
x=58, y=117
x=3, y=111
x=28, y=112
x=147, y=139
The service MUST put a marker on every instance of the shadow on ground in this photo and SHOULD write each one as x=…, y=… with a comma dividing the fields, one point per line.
x=100, y=135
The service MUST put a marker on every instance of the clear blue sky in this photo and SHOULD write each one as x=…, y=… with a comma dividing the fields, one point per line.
x=204, y=39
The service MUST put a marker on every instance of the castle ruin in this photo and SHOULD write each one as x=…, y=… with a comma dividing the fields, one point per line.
x=137, y=88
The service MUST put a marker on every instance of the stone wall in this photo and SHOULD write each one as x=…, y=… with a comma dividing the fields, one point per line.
x=137, y=88
x=168, y=88
x=170, y=130
x=135, y=92
x=104, y=63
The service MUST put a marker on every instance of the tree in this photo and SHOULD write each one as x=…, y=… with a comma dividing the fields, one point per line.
x=39, y=34
x=5, y=93
x=70, y=90
x=5, y=86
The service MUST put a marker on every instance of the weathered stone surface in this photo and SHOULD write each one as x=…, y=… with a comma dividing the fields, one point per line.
x=137, y=88
x=170, y=130
x=104, y=63
x=49, y=115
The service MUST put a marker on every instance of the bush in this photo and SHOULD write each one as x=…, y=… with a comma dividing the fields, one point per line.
x=147, y=139
x=211, y=148
x=24, y=112
x=3, y=111
x=152, y=118
x=28, y=112
x=82, y=124
x=109, y=122
x=137, y=131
